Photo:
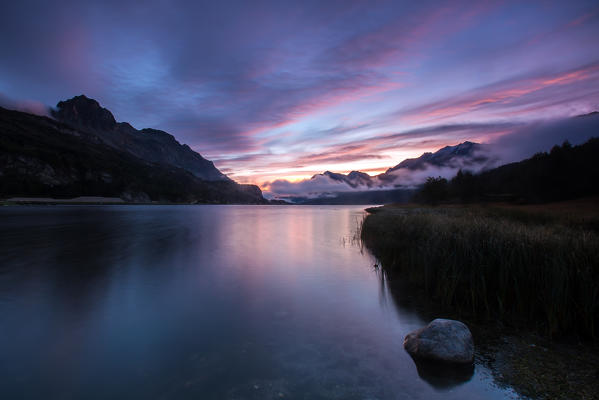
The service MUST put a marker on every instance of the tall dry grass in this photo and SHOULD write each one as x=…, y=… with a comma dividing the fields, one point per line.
x=525, y=270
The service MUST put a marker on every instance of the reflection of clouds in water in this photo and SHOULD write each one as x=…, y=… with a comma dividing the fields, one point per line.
x=200, y=302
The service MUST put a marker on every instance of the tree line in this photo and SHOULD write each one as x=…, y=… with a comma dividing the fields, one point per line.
x=566, y=172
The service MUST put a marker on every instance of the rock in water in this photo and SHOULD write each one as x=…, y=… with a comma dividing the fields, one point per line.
x=444, y=340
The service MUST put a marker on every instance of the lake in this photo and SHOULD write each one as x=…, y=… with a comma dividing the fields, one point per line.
x=204, y=302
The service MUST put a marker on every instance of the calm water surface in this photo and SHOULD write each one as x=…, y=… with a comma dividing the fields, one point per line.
x=202, y=302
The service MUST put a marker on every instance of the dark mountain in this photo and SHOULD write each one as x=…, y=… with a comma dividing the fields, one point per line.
x=462, y=155
x=98, y=125
x=566, y=172
x=591, y=114
x=43, y=157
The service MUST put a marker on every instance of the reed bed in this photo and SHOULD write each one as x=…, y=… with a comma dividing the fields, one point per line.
x=534, y=271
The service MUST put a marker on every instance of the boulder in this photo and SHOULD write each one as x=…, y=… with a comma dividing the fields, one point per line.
x=444, y=340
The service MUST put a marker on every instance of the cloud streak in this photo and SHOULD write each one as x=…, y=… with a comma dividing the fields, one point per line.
x=507, y=96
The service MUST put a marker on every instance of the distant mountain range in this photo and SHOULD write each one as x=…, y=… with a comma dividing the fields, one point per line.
x=466, y=155
x=84, y=151
x=396, y=184
x=566, y=172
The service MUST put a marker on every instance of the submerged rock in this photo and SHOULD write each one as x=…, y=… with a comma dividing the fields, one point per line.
x=444, y=340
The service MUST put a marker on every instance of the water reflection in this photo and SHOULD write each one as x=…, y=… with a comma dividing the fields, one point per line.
x=208, y=302
x=443, y=376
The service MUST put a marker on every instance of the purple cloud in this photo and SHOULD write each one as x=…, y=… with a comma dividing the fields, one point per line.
x=285, y=80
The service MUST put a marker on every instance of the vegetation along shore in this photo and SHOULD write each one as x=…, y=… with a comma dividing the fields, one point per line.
x=530, y=269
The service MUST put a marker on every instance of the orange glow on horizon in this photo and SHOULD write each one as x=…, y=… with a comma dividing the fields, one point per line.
x=263, y=178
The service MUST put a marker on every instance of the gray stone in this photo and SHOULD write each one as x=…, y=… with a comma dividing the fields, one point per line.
x=444, y=340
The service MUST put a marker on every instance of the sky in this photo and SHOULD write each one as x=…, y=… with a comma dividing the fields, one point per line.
x=284, y=90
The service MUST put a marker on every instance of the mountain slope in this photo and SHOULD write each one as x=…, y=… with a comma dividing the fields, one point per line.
x=393, y=185
x=466, y=155
x=98, y=124
x=354, y=179
x=566, y=172
x=463, y=154
x=40, y=156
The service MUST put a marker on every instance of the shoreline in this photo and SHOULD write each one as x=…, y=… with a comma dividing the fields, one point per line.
x=103, y=201
x=533, y=364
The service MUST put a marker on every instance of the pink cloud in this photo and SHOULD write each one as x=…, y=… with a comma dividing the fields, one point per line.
x=28, y=106
x=498, y=95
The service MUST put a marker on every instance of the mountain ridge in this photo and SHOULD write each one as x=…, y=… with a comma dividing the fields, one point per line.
x=463, y=155
x=443, y=157
x=150, y=144
x=46, y=157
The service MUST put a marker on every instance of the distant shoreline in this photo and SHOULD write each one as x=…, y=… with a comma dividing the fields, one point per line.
x=98, y=200
x=75, y=200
